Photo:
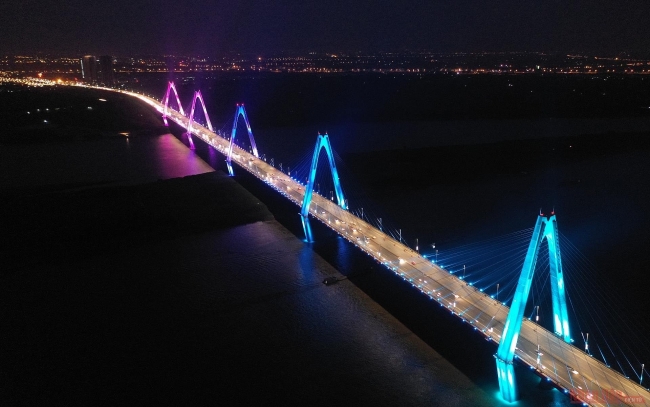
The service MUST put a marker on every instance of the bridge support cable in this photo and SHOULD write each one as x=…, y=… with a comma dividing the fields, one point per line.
x=322, y=142
x=614, y=338
x=171, y=87
x=197, y=96
x=240, y=112
x=545, y=228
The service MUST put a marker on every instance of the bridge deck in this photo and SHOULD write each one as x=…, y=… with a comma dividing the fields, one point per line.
x=583, y=376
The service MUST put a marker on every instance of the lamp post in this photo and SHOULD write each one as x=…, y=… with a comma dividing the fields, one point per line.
x=497, y=292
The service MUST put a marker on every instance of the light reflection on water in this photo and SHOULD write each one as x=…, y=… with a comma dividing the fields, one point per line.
x=174, y=160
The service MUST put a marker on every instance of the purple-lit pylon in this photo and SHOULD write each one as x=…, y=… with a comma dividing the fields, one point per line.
x=239, y=112
x=171, y=87
x=197, y=95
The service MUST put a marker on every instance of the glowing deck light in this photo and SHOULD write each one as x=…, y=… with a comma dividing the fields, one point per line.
x=241, y=111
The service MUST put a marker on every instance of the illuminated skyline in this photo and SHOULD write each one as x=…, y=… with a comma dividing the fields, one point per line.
x=411, y=63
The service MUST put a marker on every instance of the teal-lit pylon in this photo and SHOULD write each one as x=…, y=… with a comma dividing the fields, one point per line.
x=322, y=142
x=545, y=228
x=239, y=112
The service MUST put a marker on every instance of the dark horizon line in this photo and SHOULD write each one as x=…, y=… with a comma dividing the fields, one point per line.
x=327, y=52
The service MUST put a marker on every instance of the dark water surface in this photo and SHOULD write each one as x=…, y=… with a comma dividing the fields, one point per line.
x=234, y=317
x=108, y=160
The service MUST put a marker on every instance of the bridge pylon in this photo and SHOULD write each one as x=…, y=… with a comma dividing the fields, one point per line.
x=170, y=87
x=545, y=228
x=197, y=96
x=322, y=142
x=241, y=111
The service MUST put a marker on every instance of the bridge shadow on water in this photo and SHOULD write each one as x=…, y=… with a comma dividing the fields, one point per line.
x=454, y=340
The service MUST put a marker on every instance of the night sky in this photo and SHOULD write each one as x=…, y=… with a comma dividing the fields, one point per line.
x=208, y=27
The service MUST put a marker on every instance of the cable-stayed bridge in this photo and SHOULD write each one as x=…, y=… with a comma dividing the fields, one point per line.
x=550, y=354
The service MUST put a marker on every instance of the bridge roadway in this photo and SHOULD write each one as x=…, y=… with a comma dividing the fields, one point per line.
x=579, y=374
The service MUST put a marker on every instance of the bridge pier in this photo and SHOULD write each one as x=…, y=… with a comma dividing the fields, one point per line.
x=507, y=380
x=306, y=227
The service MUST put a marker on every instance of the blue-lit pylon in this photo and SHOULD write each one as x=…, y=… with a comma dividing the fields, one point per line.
x=240, y=112
x=323, y=142
x=545, y=228
x=199, y=97
x=170, y=88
